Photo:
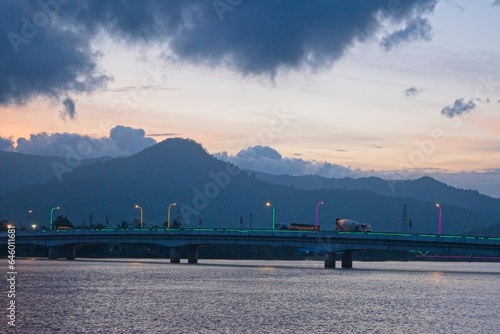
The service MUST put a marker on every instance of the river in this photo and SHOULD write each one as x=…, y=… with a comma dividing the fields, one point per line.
x=225, y=296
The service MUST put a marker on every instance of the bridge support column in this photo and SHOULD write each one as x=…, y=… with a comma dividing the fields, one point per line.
x=192, y=254
x=53, y=253
x=175, y=255
x=330, y=260
x=70, y=252
x=347, y=260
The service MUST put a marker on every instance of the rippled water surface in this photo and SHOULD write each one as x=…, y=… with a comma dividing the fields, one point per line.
x=217, y=296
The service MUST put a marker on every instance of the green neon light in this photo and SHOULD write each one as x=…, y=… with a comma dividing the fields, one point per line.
x=420, y=252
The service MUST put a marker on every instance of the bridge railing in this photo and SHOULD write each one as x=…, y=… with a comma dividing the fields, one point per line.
x=268, y=232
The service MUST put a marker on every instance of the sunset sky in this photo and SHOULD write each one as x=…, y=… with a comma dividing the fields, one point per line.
x=338, y=88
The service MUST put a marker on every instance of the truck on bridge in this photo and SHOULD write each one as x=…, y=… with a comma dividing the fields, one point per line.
x=298, y=227
x=349, y=225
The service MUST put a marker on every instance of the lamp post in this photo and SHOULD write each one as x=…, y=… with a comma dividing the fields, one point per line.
x=317, y=210
x=33, y=227
x=274, y=213
x=31, y=217
x=168, y=216
x=142, y=213
x=440, y=217
x=51, y=213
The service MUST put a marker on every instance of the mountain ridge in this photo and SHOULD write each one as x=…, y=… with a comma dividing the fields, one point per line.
x=424, y=188
x=215, y=192
x=18, y=169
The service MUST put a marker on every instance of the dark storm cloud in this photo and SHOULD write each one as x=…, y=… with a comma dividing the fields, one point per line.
x=122, y=141
x=41, y=54
x=69, y=109
x=412, y=92
x=263, y=37
x=46, y=46
x=459, y=107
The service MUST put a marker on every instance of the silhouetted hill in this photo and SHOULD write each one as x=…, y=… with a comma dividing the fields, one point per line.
x=491, y=231
x=424, y=189
x=181, y=171
x=18, y=170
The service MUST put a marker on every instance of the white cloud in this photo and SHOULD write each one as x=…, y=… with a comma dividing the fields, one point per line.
x=6, y=144
x=267, y=159
x=122, y=141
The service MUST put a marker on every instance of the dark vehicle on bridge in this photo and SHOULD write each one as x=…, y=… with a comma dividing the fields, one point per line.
x=299, y=227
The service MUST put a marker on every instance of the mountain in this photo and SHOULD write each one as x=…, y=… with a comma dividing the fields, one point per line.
x=424, y=189
x=18, y=170
x=181, y=171
x=491, y=231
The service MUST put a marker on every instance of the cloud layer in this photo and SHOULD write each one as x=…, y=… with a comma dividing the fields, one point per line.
x=47, y=49
x=122, y=141
x=6, y=144
x=267, y=159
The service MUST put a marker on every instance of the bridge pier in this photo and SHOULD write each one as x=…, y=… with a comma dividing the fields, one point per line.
x=53, y=253
x=330, y=260
x=70, y=252
x=346, y=260
x=192, y=254
x=175, y=255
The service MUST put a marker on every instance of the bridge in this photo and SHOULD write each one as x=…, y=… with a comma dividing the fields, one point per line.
x=63, y=243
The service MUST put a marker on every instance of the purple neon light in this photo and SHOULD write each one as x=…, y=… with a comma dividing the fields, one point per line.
x=440, y=218
x=496, y=258
x=317, y=210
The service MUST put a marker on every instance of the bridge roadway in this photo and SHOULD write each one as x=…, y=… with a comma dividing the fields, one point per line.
x=326, y=243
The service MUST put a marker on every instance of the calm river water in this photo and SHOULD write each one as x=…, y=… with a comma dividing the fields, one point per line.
x=218, y=296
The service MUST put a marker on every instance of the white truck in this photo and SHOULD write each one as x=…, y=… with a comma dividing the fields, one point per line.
x=348, y=225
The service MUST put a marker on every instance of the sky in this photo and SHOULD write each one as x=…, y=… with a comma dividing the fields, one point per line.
x=397, y=89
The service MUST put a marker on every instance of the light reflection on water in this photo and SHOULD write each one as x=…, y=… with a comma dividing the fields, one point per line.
x=217, y=296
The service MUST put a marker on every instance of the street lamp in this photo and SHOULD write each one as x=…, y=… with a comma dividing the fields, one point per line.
x=440, y=217
x=51, y=213
x=142, y=212
x=317, y=209
x=168, y=216
x=33, y=227
x=274, y=213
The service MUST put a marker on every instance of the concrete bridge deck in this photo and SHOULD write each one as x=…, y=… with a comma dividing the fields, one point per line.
x=321, y=242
